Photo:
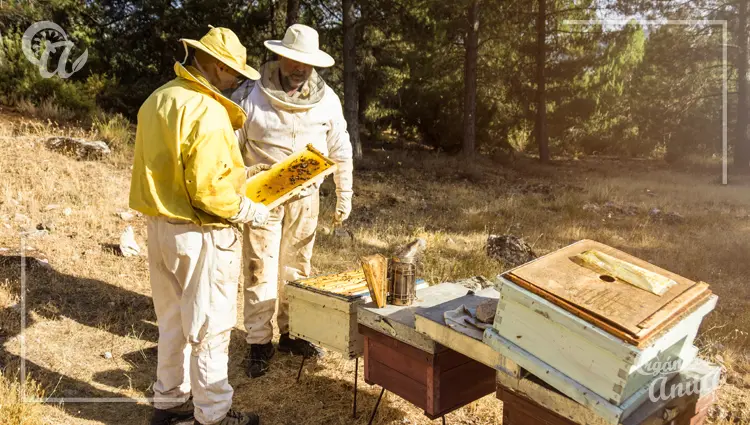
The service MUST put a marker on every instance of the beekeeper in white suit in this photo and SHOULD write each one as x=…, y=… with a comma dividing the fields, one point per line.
x=288, y=108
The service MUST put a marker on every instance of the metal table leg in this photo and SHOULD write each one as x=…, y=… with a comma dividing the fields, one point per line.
x=377, y=404
x=356, y=376
x=301, y=365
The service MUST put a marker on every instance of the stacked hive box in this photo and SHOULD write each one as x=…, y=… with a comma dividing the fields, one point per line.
x=596, y=338
x=519, y=410
x=527, y=399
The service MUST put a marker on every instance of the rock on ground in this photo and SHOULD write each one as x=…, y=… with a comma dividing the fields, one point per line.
x=81, y=149
x=511, y=250
x=126, y=215
x=666, y=217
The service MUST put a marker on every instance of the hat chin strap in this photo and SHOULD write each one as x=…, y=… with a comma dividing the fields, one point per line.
x=187, y=54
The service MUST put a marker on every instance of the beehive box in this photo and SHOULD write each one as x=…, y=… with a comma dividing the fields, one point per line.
x=323, y=311
x=289, y=177
x=601, y=333
x=437, y=382
x=528, y=400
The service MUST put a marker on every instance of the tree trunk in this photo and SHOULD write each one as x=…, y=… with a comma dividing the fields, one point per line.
x=470, y=80
x=272, y=28
x=540, y=124
x=292, y=12
x=742, y=144
x=351, y=98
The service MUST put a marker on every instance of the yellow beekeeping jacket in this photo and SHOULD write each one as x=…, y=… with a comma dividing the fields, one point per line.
x=187, y=162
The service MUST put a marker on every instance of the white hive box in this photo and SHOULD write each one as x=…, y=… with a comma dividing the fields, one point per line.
x=601, y=334
x=701, y=377
x=323, y=311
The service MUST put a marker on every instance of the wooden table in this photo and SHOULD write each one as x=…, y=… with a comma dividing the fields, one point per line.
x=413, y=366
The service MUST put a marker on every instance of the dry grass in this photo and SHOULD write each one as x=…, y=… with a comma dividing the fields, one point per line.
x=47, y=110
x=90, y=301
x=12, y=409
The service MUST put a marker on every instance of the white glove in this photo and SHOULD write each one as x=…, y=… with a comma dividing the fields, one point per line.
x=343, y=208
x=256, y=169
x=252, y=213
x=343, y=179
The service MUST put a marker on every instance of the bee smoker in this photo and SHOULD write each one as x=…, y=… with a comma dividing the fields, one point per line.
x=402, y=282
x=402, y=274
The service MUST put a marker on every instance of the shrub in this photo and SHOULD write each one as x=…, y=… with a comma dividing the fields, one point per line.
x=115, y=130
x=54, y=98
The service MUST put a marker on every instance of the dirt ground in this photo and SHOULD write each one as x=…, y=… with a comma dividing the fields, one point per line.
x=89, y=301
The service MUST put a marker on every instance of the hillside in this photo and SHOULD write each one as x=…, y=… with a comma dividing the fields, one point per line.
x=88, y=300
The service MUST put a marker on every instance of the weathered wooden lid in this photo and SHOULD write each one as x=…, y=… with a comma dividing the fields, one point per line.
x=618, y=307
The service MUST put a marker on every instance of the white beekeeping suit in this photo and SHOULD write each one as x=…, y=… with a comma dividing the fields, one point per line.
x=277, y=126
x=187, y=178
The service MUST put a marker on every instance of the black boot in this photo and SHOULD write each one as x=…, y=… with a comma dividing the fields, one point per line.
x=258, y=358
x=234, y=417
x=298, y=347
x=170, y=416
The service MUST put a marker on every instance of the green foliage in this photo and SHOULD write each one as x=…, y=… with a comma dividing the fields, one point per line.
x=21, y=80
x=629, y=91
x=602, y=106
x=676, y=99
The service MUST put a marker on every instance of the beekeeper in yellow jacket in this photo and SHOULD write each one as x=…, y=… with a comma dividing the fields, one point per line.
x=288, y=108
x=187, y=178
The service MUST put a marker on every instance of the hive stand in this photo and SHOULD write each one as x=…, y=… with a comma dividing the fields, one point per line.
x=415, y=367
x=317, y=301
x=308, y=307
x=356, y=380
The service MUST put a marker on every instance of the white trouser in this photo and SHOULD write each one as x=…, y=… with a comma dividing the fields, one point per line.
x=273, y=255
x=194, y=278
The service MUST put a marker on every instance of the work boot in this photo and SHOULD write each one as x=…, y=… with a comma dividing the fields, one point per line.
x=182, y=412
x=258, y=358
x=234, y=417
x=298, y=347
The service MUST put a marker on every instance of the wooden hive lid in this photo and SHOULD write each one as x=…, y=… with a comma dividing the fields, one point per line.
x=620, y=308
